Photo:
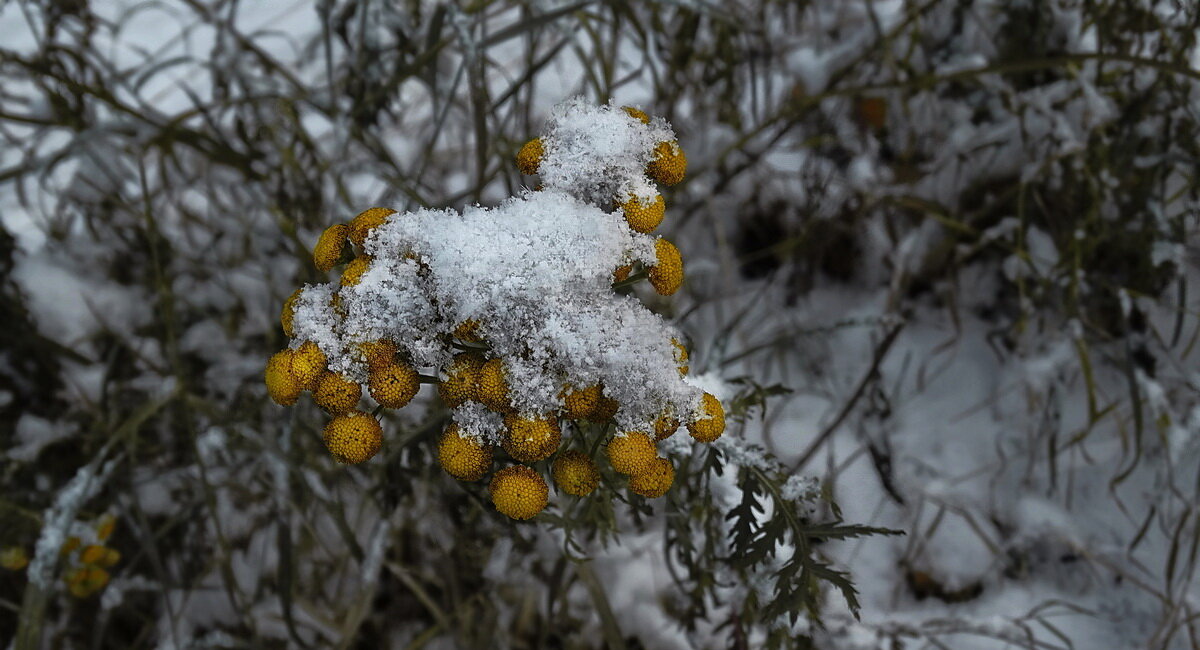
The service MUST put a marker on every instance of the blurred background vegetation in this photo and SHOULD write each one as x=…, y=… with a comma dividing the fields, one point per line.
x=873, y=189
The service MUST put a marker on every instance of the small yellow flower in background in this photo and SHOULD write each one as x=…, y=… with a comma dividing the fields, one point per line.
x=666, y=276
x=393, y=386
x=105, y=527
x=529, y=158
x=655, y=480
x=644, y=217
x=637, y=114
x=354, y=437
x=575, y=473
x=464, y=458
x=531, y=440
x=86, y=580
x=329, y=247
x=307, y=364
x=288, y=314
x=282, y=386
x=665, y=426
x=354, y=271
x=519, y=492
x=336, y=394
x=621, y=273
x=631, y=453
x=711, y=425
x=681, y=356
x=366, y=221
x=579, y=404
x=378, y=353
x=491, y=387
x=461, y=380
x=668, y=164
x=13, y=558
x=100, y=556
x=69, y=546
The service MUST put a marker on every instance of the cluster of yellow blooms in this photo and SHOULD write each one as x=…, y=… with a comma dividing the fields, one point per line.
x=87, y=564
x=518, y=491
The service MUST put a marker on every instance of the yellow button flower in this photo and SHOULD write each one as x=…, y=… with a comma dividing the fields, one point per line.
x=336, y=394
x=354, y=437
x=621, y=273
x=352, y=274
x=644, y=217
x=468, y=331
x=606, y=408
x=463, y=457
x=579, y=404
x=667, y=164
x=709, y=426
x=378, y=353
x=530, y=156
x=282, y=386
x=530, y=440
x=666, y=276
x=655, y=481
x=637, y=114
x=308, y=362
x=366, y=221
x=681, y=356
x=665, y=426
x=329, y=247
x=287, y=315
x=575, y=473
x=519, y=492
x=492, y=387
x=462, y=376
x=631, y=452
x=393, y=386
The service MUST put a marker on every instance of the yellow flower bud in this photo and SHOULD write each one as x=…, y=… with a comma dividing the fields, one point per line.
x=354, y=437
x=530, y=156
x=13, y=558
x=86, y=580
x=668, y=164
x=366, y=221
x=575, y=473
x=579, y=404
x=492, y=387
x=282, y=386
x=709, y=426
x=459, y=386
x=519, y=492
x=336, y=394
x=637, y=114
x=329, y=247
x=288, y=314
x=644, y=217
x=393, y=386
x=631, y=452
x=530, y=440
x=463, y=457
x=666, y=276
x=655, y=481
x=308, y=362
x=354, y=271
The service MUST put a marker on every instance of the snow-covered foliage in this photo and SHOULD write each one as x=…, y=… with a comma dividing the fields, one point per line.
x=941, y=266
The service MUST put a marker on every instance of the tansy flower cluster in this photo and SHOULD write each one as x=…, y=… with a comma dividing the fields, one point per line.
x=511, y=312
